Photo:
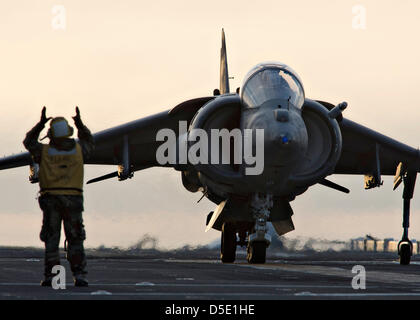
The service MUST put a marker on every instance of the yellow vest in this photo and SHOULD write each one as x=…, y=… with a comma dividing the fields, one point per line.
x=61, y=172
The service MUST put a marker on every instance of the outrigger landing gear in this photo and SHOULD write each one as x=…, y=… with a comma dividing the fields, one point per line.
x=405, y=247
x=258, y=242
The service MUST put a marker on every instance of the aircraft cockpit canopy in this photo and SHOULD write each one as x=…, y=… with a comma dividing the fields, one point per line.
x=272, y=81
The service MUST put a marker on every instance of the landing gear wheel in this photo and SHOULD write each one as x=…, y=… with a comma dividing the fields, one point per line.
x=257, y=252
x=405, y=253
x=228, y=243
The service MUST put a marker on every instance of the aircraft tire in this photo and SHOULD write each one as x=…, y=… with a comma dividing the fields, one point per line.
x=405, y=254
x=257, y=252
x=228, y=243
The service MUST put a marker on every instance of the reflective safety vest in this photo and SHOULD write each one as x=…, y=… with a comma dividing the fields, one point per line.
x=61, y=172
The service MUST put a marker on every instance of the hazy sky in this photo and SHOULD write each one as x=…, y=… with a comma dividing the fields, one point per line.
x=120, y=61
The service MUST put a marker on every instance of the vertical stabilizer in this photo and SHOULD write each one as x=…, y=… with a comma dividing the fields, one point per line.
x=224, y=74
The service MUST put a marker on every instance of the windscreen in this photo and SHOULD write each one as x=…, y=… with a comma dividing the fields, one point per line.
x=270, y=82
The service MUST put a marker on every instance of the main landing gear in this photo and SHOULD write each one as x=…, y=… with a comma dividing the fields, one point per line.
x=228, y=243
x=256, y=249
x=261, y=205
x=258, y=239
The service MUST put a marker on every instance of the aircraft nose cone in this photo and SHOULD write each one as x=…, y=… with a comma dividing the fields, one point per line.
x=287, y=140
x=284, y=136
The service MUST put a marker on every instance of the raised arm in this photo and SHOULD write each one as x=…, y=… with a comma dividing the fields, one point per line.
x=84, y=135
x=31, y=140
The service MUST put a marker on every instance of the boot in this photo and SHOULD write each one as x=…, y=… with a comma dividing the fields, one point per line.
x=80, y=280
x=47, y=282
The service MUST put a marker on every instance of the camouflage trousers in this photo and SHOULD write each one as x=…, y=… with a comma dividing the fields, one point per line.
x=67, y=209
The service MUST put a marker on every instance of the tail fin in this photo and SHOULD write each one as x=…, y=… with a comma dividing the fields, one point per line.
x=224, y=74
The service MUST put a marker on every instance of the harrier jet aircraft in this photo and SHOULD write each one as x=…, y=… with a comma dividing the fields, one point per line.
x=303, y=142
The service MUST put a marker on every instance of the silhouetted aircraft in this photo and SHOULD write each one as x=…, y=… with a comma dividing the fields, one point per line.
x=276, y=143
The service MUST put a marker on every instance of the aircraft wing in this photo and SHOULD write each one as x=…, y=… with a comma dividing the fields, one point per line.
x=363, y=149
x=141, y=136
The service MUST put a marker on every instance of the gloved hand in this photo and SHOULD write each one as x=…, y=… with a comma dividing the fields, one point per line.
x=44, y=118
x=77, y=120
